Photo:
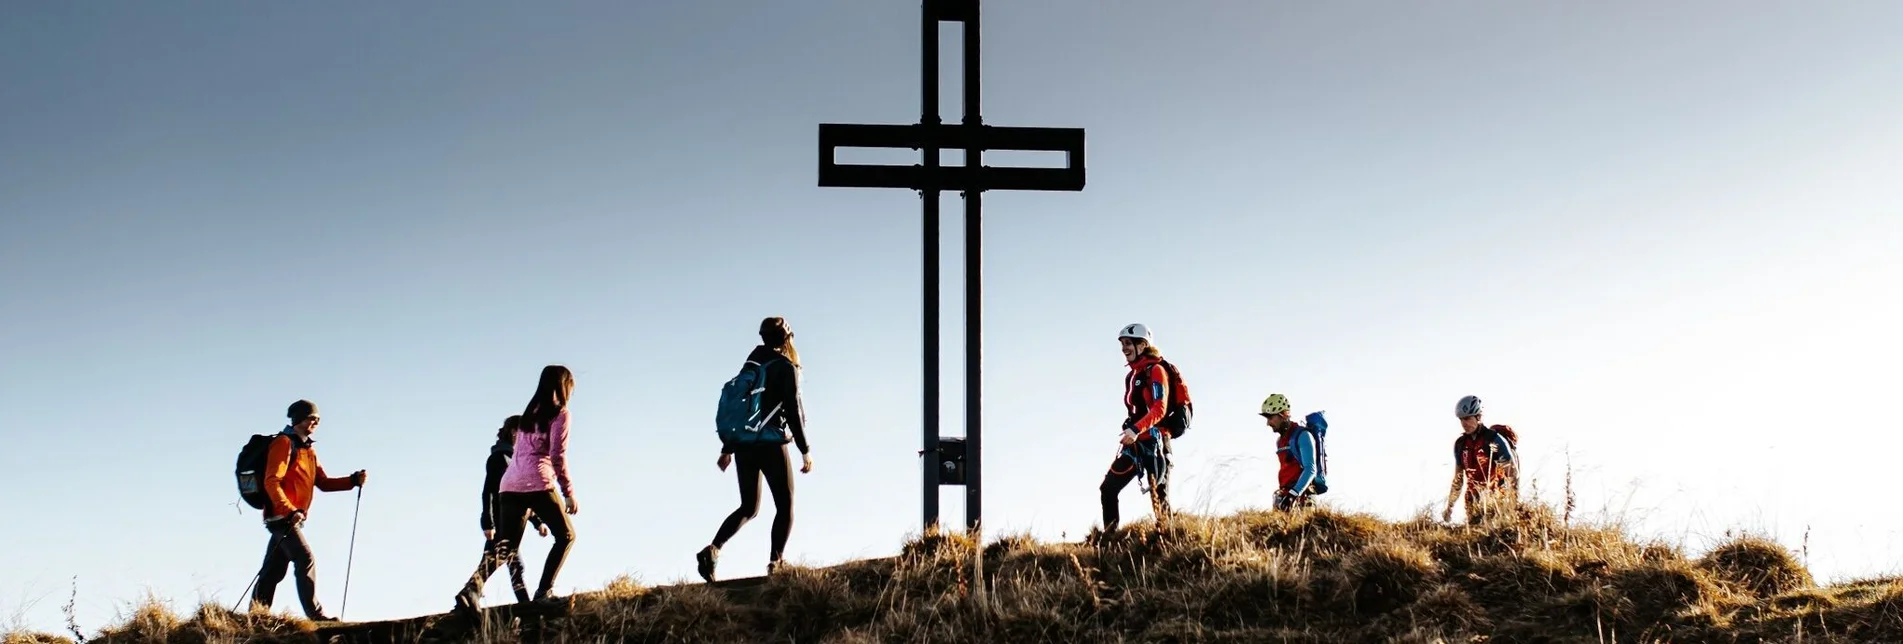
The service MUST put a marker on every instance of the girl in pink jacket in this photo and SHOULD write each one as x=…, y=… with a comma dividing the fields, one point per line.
x=538, y=469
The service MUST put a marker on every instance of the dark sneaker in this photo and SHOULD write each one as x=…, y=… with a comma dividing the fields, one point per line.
x=468, y=603
x=324, y=619
x=547, y=600
x=707, y=557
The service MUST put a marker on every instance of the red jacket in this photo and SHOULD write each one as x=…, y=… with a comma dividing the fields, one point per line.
x=1486, y=455
x=1146, y=396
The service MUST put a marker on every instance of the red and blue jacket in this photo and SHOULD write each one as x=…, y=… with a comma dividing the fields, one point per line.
x=1146, y=396
x=1485, y=454
x=1295, y=450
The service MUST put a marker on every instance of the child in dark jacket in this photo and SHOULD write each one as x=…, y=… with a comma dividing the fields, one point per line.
x=499, y=455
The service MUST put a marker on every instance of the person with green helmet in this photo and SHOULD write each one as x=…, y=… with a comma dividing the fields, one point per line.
x=1300, y=474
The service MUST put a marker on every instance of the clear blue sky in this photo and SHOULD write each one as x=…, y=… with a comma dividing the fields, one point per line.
x=1659, y=237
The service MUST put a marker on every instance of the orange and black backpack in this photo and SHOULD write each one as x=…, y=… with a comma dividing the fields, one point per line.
x=1181, y=410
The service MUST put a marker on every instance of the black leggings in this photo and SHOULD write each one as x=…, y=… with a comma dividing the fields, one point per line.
x=752, y=462
x=512, y=517
x=1133, y=462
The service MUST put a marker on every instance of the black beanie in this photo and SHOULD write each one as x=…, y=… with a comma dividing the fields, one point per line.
x=301, y=410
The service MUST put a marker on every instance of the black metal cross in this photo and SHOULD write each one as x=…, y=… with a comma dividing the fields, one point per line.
x=956, y=459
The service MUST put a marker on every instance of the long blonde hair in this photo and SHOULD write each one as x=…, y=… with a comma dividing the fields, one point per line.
x=792, y=354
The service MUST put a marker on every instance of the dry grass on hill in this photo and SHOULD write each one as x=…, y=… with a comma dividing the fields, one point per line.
x=1314, y=576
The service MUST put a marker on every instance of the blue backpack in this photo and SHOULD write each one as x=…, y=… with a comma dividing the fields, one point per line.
x=739, y=418
x=1318, y=426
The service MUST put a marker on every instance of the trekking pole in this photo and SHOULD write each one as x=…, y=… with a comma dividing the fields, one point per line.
x=246, y=594
x=353, y=552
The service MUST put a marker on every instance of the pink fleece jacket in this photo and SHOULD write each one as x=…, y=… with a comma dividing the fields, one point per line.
x=541, y=459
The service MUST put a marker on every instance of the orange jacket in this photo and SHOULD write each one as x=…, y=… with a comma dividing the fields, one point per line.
x=288, y=481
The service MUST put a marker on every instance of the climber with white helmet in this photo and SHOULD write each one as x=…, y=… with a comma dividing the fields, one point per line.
x=1486, y=464
x=1145, y=445
x=1298, y=452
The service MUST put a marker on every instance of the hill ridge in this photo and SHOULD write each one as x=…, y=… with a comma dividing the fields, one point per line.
x=1312, y=576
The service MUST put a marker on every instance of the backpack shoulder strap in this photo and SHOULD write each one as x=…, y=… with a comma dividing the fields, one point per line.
x=763, y=365
x=290, y=455
x=1175, y=375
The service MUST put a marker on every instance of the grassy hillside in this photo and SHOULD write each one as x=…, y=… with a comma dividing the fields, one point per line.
x=1316, y=576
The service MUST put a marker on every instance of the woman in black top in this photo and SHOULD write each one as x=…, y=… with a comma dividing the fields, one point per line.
x=767, y=458
x=499, y=455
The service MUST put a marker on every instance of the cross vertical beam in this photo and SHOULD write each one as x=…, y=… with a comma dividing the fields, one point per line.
x=928, y=117
x=952, y=461
x=974, y=286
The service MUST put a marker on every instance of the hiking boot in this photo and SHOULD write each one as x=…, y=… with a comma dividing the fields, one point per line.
x=547, y=601
x=468, y=603
x=1102, y=536
x=706, y=559
x=324, y=619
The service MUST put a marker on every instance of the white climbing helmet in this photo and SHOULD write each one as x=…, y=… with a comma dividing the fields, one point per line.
x=1136, y=331
x=1468, y=406
x=1275, y=404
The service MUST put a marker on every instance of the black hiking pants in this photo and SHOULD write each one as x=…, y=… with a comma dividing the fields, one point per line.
x=515, y=571
x=512, y=518
x=753, y=462
x=287, y=550
x=1137, y=460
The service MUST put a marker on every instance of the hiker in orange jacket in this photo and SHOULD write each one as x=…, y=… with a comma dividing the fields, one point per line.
x=291, y=473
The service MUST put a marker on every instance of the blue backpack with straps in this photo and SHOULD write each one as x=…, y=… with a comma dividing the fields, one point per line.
x=1318, y=426
x=739, y=417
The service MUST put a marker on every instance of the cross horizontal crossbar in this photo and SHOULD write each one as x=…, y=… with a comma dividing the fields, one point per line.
x=952, y=137
x=951, y=178
x=951, y=10
x=833, y=136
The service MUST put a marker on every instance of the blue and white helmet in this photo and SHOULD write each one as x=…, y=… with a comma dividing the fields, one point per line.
x=1468, y=406
x=1135, y=331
